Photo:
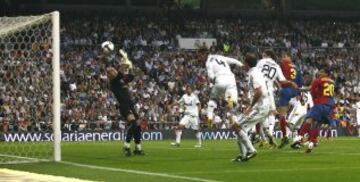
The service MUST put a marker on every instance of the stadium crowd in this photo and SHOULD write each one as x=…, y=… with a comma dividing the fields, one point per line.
x=163, y=69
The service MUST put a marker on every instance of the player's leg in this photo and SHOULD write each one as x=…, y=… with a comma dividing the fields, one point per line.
x=260, y=130
x=131, y=124
x=231, y=97
x=212, y=105
x=195, y=125
x=178, y=130
x=137, y=135
x=128, y=137
x=305, y=128
x=266, y=130
x=241, y=145
x=271, y=121
x=283, y=108
x=317, y=113
x=313, y=134
x=358, y=125
x=245, y=124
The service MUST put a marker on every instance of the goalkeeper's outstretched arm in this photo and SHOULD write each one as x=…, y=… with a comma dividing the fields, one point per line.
x=125, y=59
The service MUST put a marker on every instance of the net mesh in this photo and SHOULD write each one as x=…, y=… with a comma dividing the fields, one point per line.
x=25, y=89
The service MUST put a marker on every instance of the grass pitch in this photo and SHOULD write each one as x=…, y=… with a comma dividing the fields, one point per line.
x=337, y=160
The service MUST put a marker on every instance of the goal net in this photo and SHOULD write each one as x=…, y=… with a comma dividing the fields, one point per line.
x=29, y=89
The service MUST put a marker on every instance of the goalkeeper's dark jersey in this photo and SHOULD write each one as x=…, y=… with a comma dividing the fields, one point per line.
x=119, y=86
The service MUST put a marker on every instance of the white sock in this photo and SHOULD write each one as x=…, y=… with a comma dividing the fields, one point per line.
x=297, y=138
x=262, y=134
x=359, y=132
x=138, y=146
x=271, y=119
x=311, y=145
x=288, y=132
x=242, y=147
x=127, y=145
x=198, y=137
x=246, y=141
x=178, y=136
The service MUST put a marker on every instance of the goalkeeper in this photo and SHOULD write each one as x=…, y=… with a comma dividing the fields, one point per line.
x=119, y=80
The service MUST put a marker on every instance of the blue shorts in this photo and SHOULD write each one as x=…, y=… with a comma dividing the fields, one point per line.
x=333, y=123
x=286, y=94
x=321, y=113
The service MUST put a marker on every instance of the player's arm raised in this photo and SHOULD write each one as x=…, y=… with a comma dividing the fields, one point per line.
x=124, y=59
x=230, y=61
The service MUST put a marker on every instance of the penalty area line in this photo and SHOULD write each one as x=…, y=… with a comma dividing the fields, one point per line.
x=130, y=171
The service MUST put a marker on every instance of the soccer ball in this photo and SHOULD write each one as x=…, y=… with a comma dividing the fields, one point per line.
x=107, y=46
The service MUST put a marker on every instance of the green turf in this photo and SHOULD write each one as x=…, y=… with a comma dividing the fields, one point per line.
x=338, y=160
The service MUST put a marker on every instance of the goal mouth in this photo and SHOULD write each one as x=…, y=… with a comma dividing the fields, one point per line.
x=29, y=87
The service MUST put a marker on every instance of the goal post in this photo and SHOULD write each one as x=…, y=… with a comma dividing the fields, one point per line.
x=30, y=128
x=56, y=85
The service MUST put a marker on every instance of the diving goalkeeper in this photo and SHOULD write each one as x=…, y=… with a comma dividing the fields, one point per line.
x=119, y=79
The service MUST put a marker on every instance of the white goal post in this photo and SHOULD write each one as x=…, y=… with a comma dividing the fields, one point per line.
x=30, y=128
x=56, y=85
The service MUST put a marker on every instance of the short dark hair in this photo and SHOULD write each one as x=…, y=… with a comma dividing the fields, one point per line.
x=250, y=59
x=270, y=53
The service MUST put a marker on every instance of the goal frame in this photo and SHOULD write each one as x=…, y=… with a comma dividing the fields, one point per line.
x=56, y=85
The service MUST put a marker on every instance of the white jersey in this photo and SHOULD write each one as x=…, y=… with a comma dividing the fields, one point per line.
x=271, y=71
x=256, y=80
x=357, y=107
x=298, y=113
x=218, y=65
x=191, y=104
x=261, y=109
x=308, y=100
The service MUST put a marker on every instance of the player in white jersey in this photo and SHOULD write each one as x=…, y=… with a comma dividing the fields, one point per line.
x=300, y=108
x=357, y=105
x=257, y=111
x=191, y=116
x=272, y=72
x=223, y=80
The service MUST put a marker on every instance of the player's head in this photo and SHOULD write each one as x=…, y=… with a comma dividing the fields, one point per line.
x=286, y=57
x=111, y=72
x=269, y=53
x=250, y=60
x=188, y=89
x=324, y=72
x=124, y=68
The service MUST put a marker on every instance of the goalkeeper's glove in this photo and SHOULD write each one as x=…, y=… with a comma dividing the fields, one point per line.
x=125, y=59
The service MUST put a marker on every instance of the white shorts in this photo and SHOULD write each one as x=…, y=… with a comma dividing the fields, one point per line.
x=190, y=122
x=358, y=120
x=225, y=86
x=269, y=123
x=297, y=114
x=257, y=115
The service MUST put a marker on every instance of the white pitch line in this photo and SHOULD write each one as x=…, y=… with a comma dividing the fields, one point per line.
x=138, y=172
x=28, y=159
x=260, y=150
x=269, y=170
